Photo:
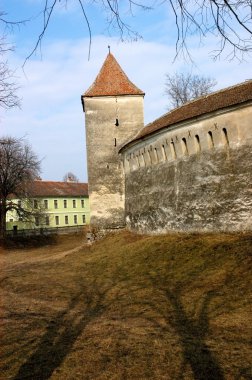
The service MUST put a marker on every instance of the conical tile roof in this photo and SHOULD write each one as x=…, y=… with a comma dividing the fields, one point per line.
x=112, y=81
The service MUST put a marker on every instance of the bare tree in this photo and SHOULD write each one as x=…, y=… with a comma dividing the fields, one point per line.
x=228, y=21
x=181, y=88
x=19, y=167
x=70, y=177
x=8, y=87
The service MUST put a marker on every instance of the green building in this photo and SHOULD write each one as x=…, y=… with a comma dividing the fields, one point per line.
x=60, y=205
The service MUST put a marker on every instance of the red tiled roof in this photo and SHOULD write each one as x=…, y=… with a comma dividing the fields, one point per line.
x=227, y=97
x=58, y=189
x=112, y=81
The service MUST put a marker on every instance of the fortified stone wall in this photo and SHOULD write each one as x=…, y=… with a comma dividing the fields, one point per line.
x=110, y=122
x=195, y=175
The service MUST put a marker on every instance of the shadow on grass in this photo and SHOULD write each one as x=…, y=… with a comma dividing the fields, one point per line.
x=60, y=336
x=192, y=334
x=244, y=374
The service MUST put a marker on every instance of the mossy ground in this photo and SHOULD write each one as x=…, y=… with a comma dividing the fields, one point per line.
x=176, y=306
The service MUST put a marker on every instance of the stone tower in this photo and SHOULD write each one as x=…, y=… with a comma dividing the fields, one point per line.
x=113, y=108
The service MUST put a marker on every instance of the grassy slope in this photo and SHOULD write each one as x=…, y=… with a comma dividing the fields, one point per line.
x=131, y=307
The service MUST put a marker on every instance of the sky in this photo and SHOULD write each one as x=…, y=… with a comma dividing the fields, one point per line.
x=50, y=84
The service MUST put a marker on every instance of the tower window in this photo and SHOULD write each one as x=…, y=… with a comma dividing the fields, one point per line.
x=117, y=123
x=114, y=142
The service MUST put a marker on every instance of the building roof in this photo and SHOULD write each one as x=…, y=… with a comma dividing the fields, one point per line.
x=218, y=100
x=112, y=81
x=58, y=189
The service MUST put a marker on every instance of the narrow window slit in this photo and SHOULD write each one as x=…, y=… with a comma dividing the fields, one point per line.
x=225, y=136
x=127, y=163
x=156, y=155
x=138, y=162
x=198, y=147
x=184, y=146
x=149, y=156
x=173, y=150
x=164, y=153
x=210, y=139
x=143, y=159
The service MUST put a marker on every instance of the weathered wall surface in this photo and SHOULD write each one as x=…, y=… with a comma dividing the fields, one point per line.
x=103, y=137
x=196, y=176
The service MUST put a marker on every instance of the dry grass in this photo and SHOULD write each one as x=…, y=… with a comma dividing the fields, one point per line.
x=128, y=307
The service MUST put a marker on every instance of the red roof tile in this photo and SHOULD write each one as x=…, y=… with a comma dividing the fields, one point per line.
x=112, y=81
x=58, y=189
x=227, y=97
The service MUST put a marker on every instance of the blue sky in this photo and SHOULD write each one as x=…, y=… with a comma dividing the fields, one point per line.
x=52, y=82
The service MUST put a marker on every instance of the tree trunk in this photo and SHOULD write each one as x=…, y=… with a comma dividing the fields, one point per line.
x=2, y=219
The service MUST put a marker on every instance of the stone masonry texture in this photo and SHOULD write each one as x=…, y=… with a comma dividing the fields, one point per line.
x=207, y=192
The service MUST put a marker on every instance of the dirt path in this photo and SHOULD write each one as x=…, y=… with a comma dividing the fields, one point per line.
x=7, y=262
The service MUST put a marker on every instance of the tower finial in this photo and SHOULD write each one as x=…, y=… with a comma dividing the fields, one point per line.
x=109, y=48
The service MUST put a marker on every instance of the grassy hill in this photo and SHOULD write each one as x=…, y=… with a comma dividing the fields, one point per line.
x=176, y=306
